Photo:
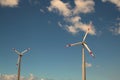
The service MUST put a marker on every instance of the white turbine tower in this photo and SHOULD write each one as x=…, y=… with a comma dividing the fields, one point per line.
x=20, y=54
x=84, y=45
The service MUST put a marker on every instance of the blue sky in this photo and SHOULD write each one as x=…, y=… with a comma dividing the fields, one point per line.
x=46, y=26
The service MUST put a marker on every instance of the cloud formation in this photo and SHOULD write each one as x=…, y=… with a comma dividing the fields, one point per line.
x=34, y=2
x=116, y=30
x=71, y=16
x=9, y=3
x=60, y=24
x=8, y=77
x=58, y=5
x=84, y=6
x=116, y=2
x=14, y=77
x=41, y=10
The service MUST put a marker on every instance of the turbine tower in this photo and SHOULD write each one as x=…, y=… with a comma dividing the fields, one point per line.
x=84, y=45
x=20, y=54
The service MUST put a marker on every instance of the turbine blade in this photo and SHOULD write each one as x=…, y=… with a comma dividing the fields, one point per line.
x=18, y=60
x=16, y=51
x=90, y=52
x=90, y=24
x=85, y=36
x=25, y=51
x=74, y=44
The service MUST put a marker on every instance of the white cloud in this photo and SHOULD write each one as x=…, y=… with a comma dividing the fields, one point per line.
x=84, y=6
x=104, y=0
x=71, y=29
x=32, y=77
x=116, y=2
x=49, y=22
x=88, y=64
x=41, y=10
x=58, y=5
x=73, y=19
x=116, y=31
x=118, y=19
x=60, y=24
x=14, y=77
x=8, y=77
x=35, y=2
x=77, y=25
x=42, y=79
x=46, y=79
x=119, y=24
x=9, y=3
x=71, y=16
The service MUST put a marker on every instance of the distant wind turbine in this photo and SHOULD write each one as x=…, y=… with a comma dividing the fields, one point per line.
x=20, y=54
x=84, y=45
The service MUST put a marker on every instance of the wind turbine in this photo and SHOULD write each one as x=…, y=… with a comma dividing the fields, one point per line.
x=20, y=54
x=84, y=45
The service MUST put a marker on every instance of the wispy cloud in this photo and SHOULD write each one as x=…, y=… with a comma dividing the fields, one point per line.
x=116, y=29
x=71, y=16
x=84, y=6
x=118, y=19
x=62, y=8
x=116, y=2
x=46, y=79
x=9, y=3
x=32, y=77
x=41, y=10
x=35, y=2
x=60, y=24
x=88, y=64
x=14, y=77
x=8, y=77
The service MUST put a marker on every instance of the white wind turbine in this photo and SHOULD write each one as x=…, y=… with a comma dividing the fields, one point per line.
x=84, y=45
x=20, y=54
